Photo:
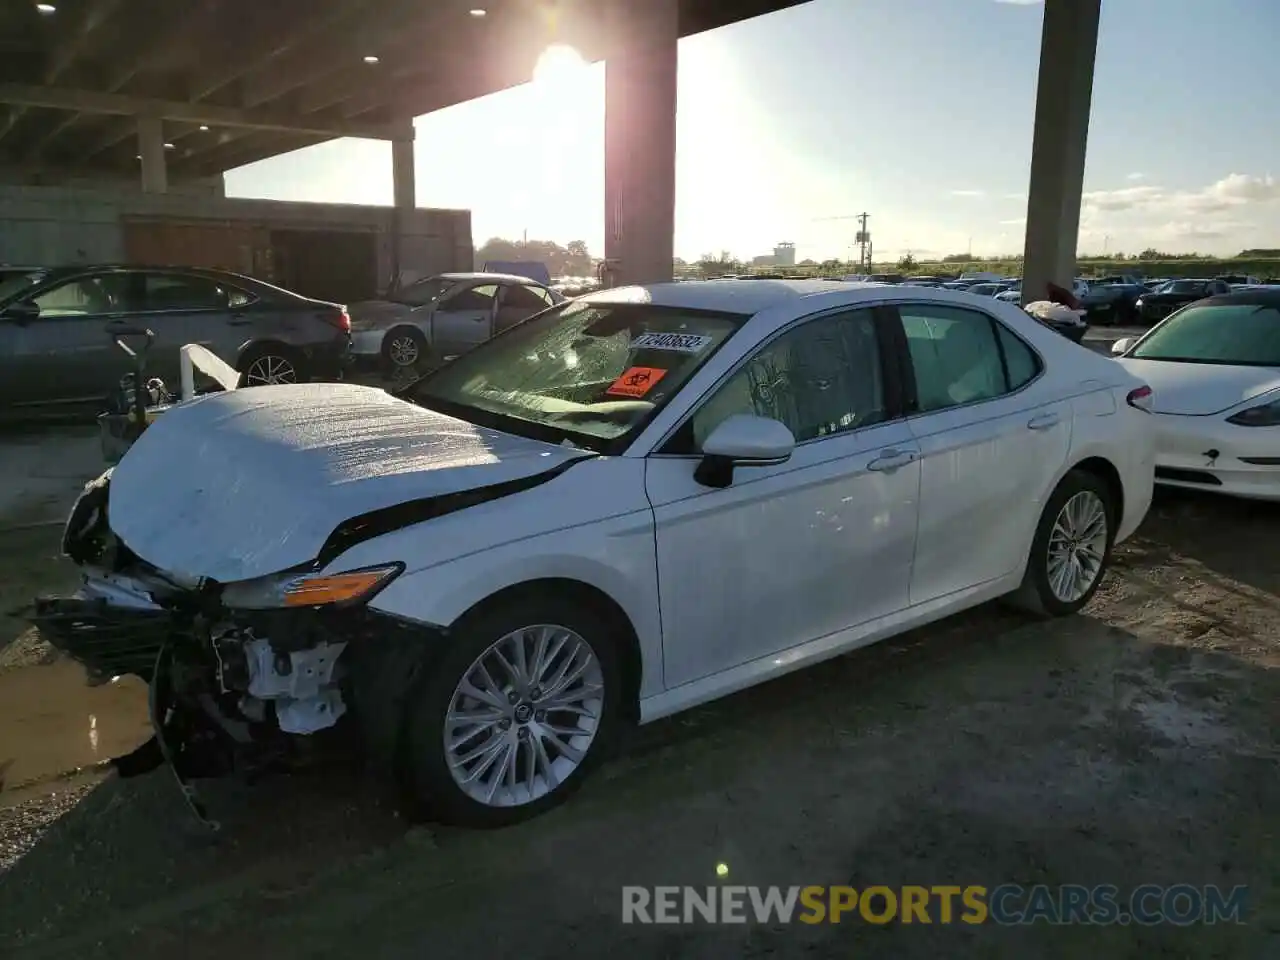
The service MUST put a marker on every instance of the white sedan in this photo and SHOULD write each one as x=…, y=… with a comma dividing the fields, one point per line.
x=1215, y=369
x=627, y=506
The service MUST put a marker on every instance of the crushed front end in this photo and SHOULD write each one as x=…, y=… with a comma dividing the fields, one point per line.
x=241, y=677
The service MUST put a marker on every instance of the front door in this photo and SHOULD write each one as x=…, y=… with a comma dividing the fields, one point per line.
x=463, y=319
x=798, y=551
x=66, y=355
x=992, y=439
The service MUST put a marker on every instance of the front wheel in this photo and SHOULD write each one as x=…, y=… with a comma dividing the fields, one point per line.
x=404, y=347
x=519, y=708
x=1072, y=547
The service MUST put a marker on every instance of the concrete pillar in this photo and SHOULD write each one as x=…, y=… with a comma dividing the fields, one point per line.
x=155, y=177
x=402, y=174
x=1068, y=41
x=640, y=140
x=404, y=198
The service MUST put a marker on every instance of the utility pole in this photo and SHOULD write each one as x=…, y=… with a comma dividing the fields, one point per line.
x=863, y=240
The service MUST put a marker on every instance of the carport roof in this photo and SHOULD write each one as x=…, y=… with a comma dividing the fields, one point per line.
x=240, y=80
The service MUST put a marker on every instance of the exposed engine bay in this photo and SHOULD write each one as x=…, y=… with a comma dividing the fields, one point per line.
x=231, y=691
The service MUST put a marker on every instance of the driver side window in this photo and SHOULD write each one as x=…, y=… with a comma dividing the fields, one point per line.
x=86, y=296
x=820, y=379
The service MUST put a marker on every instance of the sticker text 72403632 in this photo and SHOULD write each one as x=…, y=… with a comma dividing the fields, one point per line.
x=676, y=342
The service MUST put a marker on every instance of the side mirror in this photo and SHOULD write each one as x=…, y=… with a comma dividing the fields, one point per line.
x=22, y=312
x=1122, y=345
x=742, y=440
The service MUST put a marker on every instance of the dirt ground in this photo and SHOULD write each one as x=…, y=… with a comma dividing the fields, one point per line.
x=1136, y=743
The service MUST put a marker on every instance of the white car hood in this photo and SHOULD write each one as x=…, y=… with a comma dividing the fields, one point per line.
x=1200, y=389
x=242, y=484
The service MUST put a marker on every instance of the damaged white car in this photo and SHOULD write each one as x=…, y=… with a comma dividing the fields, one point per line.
x=623, y=507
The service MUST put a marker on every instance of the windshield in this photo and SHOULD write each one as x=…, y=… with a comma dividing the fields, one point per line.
x=1245, y=334
x=1183, y=286
x=12, y=283
x=591, y=373
x=422, y=292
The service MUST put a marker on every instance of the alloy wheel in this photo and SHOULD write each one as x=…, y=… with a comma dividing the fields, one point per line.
x=524, y=715
x=270, y=369
x=1077, y=546
x=403, y=351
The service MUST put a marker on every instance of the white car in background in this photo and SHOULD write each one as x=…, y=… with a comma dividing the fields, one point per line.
x=1215, y=369
x=442, y=316
x=633, y=503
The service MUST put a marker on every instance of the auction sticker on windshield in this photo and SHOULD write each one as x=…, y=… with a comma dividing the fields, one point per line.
x=676, y=342
x=636, y=382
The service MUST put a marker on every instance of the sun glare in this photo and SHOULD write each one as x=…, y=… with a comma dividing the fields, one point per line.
x=559, y=63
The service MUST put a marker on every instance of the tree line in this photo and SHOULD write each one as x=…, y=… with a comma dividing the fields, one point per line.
x=571, y=260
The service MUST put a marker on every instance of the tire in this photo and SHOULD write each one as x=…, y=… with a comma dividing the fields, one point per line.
x=1037, y=593
x=270, y=364
x=431, y=784
x=404, y=347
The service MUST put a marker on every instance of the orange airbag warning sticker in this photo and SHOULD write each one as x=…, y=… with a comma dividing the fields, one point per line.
x=636, y=382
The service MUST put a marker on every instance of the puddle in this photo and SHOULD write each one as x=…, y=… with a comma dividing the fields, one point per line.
x=53, y=724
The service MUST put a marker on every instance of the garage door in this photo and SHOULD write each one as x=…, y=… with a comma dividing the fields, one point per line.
x=216, y=245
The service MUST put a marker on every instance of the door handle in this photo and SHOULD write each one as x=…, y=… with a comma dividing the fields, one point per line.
x=237, y=320
x=1044, y=421
x=891, y=460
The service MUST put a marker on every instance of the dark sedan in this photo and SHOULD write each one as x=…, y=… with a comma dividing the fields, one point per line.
x=1155, y=306
x=56, y=325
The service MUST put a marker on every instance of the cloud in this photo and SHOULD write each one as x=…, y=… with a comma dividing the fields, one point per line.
x=1136, y=176
x=968, y=193
x=1014, y=196
x=1232, y=191
x=1021, y=3
x=1016, y=222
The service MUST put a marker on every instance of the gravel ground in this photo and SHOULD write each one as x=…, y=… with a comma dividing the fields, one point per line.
x=1134, y=743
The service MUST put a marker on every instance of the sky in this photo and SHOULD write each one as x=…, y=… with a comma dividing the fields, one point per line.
x=919, y=112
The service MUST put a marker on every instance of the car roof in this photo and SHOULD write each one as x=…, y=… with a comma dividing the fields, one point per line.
x=747, y=299
x=1255, y=296
x=481, y=275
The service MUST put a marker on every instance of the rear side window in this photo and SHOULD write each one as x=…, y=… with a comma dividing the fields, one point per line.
x=474, y=298
x=519, y=296
x=962, y=356
x=176, y=291
x=1021, y=363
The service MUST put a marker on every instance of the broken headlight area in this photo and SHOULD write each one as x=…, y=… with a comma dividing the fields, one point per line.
x=244, y=678
x=244, y=692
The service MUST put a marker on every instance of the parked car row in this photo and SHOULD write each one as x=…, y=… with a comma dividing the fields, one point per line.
x=56, y=327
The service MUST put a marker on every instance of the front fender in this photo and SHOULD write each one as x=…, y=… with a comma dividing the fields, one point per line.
x=616, y=557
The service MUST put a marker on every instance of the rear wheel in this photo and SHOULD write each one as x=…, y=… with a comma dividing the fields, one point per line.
x=1072, y=547
x=514, y=714
x=269, y=365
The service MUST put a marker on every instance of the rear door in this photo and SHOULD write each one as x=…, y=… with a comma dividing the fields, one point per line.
x=66, y=355
x=993, y=436
x=182, y=308
x=464, y=319
x=518, y=302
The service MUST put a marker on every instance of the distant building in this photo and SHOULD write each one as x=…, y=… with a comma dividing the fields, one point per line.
x=784, y=255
